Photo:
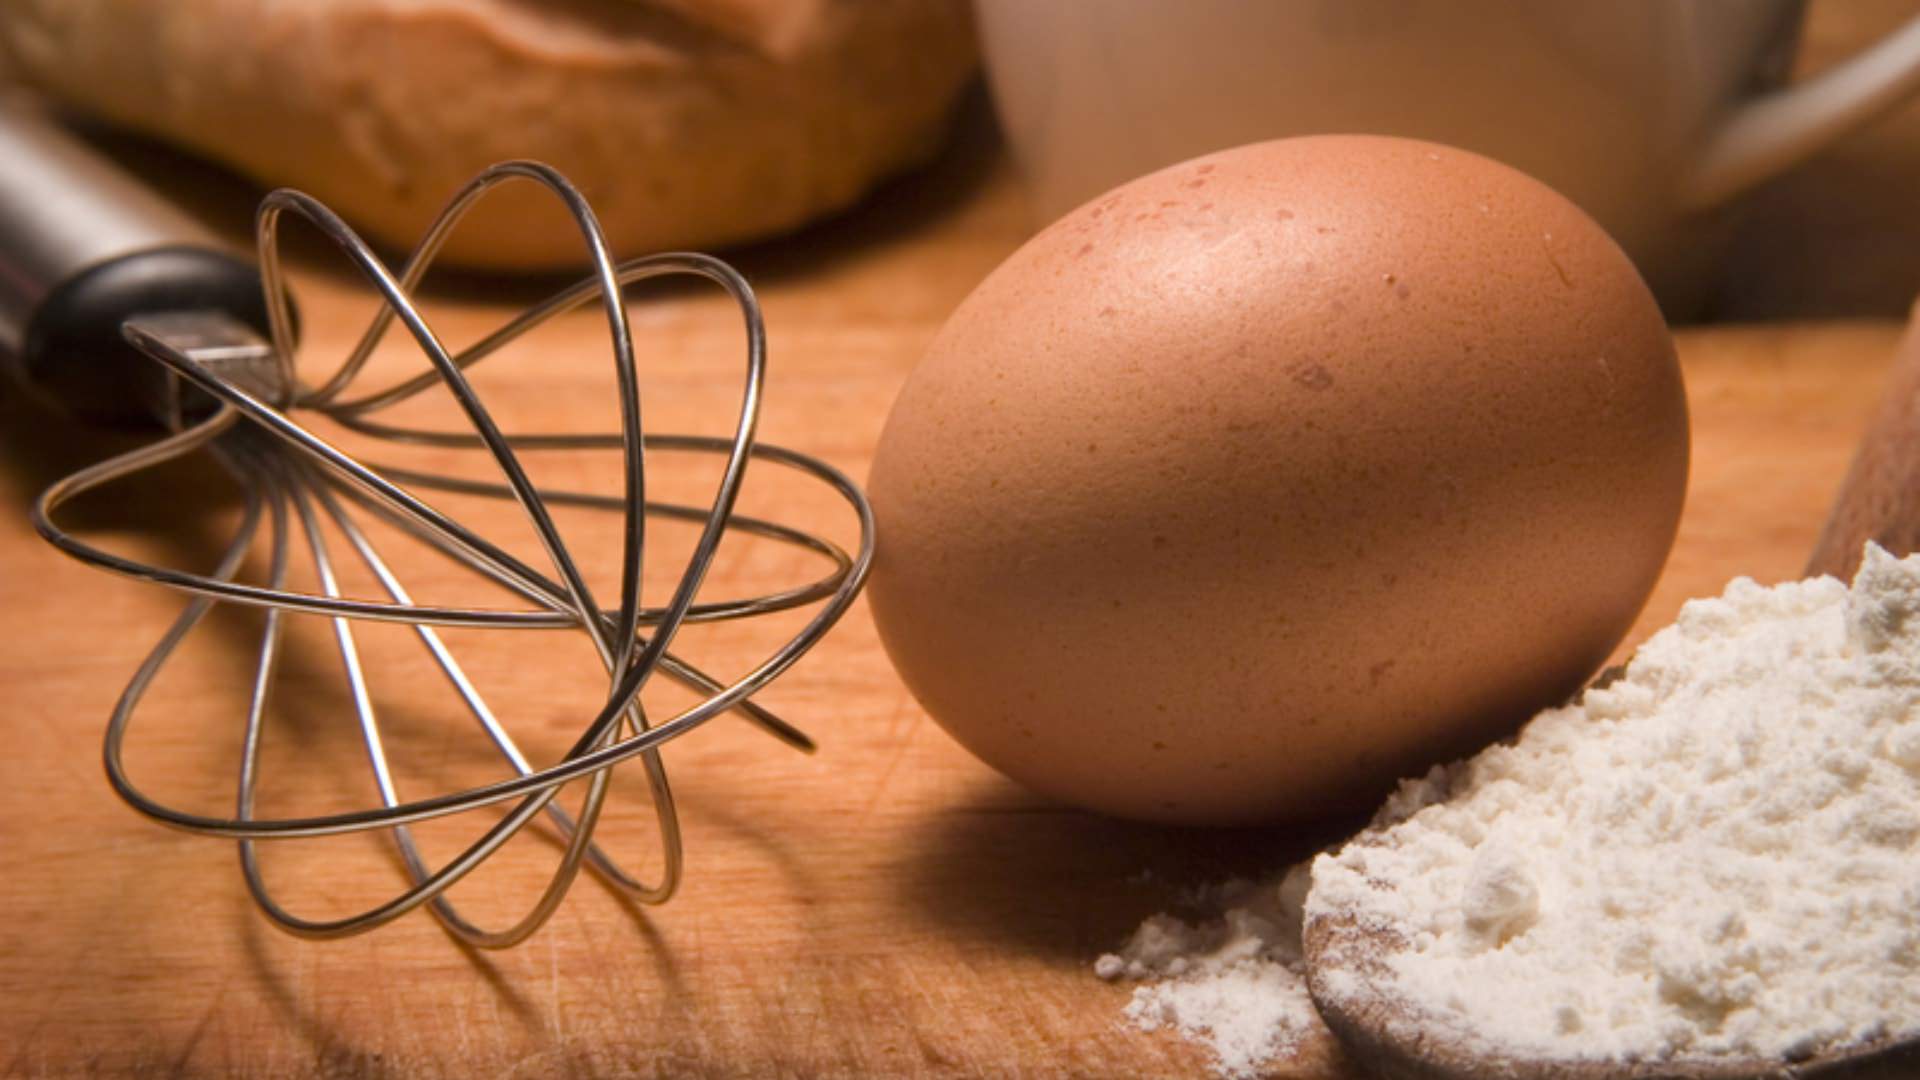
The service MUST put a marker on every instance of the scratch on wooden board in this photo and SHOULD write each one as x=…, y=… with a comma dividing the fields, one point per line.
x=17, y=1065
x=553, y=987
x=538, y=1063
x=603, y=976
x=463, y=1023
x=899, y=754
x=200, y=1029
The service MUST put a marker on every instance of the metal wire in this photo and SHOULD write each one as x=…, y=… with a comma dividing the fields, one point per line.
x=299, y=486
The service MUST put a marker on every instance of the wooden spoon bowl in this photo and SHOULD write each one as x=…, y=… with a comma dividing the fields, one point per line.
x=1395, y=1040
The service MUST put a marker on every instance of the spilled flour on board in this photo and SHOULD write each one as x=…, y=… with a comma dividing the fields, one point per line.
x=1233, y=982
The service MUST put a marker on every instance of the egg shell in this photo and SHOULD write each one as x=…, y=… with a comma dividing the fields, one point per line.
x=1273, y=476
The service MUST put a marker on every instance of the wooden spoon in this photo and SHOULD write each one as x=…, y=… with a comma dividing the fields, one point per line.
x=1391, y=1038
x=1878, y=500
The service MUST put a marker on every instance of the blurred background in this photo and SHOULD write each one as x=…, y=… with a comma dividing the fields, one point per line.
x=778, y=131
x=1839, y=236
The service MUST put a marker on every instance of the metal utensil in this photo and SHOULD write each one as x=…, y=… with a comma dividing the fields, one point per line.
x=115, y=306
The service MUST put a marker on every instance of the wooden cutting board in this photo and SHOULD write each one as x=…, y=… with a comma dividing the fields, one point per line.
x=886, y=907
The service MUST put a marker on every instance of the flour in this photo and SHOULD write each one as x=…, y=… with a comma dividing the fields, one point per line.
x=1717, y=854
x=1232, y=982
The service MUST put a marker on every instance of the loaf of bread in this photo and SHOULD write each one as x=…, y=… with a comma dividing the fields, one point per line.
x=687, y=123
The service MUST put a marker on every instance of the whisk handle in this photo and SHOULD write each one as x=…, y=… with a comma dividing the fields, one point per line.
x=83, y=247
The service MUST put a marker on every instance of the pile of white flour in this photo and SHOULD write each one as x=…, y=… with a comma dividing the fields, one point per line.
x=1718, y=854
x=1232, y=982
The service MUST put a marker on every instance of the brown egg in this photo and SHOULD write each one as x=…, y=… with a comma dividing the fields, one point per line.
x=1273, y=476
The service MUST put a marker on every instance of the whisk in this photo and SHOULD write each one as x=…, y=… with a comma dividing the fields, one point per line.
x=87, y=257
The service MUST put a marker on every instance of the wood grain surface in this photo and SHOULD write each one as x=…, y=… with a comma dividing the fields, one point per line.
x=886, y=907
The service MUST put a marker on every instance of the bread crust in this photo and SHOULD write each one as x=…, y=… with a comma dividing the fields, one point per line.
x=687, y=123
